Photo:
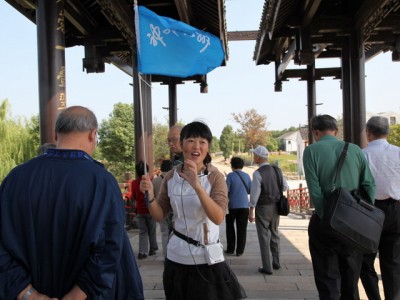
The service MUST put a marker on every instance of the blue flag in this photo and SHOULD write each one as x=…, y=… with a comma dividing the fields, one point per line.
x=173, y=48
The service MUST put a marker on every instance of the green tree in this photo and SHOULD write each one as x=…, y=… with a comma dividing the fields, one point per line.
x=226, y=141
x=238, y=144
x=394, y=135
x=17, y=144
x=272, y=144
x=215, y=145
x=278, y=133
x=160, y=147
x=253, y=128
x=116, y=135
x=34, y=131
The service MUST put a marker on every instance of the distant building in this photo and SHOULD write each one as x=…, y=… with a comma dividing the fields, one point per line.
x=394, y=118
x=295, y=142
x=288, y=141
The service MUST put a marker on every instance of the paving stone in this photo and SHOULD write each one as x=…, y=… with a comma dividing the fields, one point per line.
x=294, y=280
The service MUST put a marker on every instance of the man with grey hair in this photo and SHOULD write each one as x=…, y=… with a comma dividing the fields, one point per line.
x=384, y=162
x=174, y=144
x=264, y=195
x=62, y=223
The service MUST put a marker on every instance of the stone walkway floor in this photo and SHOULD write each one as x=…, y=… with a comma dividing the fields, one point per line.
x=293, y=281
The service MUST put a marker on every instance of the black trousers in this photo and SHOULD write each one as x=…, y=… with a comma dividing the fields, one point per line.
x=389, y=255
x=240, y=216
x=336, y=267
x=369, y=277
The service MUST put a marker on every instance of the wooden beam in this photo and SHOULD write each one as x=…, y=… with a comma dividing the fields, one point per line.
x=372, y=12
x=330, y=54
x=176, y=80
x=368, y=9
x=372, y=52
x=242, y=35
x=310, y=8
x=331, y=24
x=286, y=59
x=390, y=22
x=184, y=10
x=319, y=73
x=120, y=64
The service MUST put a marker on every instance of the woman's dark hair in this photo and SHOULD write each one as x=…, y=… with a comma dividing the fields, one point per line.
x=197, y=129
x=139, y=167
x=237, y=163
x=323, y=122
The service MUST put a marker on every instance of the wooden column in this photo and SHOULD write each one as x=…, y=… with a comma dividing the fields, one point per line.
x=346, y=91
x=51, y=65
x=357, y=62
x=311, y=104
x=172, y=106
x=311, y=99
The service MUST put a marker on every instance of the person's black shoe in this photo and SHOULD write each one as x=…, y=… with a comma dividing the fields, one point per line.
x=262, y=270
x=141, y=255
x=152, y=252
x=276, y=267
x=228, y=252
x=239, y=254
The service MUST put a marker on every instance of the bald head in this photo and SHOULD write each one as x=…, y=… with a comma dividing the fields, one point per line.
x=76, y=118
x=76, y=128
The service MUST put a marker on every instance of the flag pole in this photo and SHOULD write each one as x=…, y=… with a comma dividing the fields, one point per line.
x=146, y=194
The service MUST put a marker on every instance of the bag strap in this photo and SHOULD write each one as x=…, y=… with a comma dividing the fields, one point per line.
x=241, y=178
x=279, y=179
x=187, y=239
x=340, y=163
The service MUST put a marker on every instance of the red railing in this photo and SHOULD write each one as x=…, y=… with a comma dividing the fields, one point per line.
x=299, y=199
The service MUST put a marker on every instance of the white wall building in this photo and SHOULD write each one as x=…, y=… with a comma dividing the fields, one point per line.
x=289, y=141
x=394, y=118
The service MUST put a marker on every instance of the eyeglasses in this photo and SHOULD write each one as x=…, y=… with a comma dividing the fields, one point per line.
x=172, y=140
x=97, y=138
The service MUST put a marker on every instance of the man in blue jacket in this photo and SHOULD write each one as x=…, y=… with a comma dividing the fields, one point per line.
x=62, y=223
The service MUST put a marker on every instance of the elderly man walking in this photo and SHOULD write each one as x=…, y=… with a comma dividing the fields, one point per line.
x=264, y=195
x=384, y=161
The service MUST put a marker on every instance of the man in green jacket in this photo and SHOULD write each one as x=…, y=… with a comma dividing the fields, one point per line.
x=336, y=267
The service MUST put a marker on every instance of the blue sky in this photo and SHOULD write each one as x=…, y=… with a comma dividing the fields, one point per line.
x=238, y=87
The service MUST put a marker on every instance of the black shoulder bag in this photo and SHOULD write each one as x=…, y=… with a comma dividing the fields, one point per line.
x=354, y=221
x=283, y=202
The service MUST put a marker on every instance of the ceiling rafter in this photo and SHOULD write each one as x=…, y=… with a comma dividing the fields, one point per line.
x=184, y=10
x=106, y=27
